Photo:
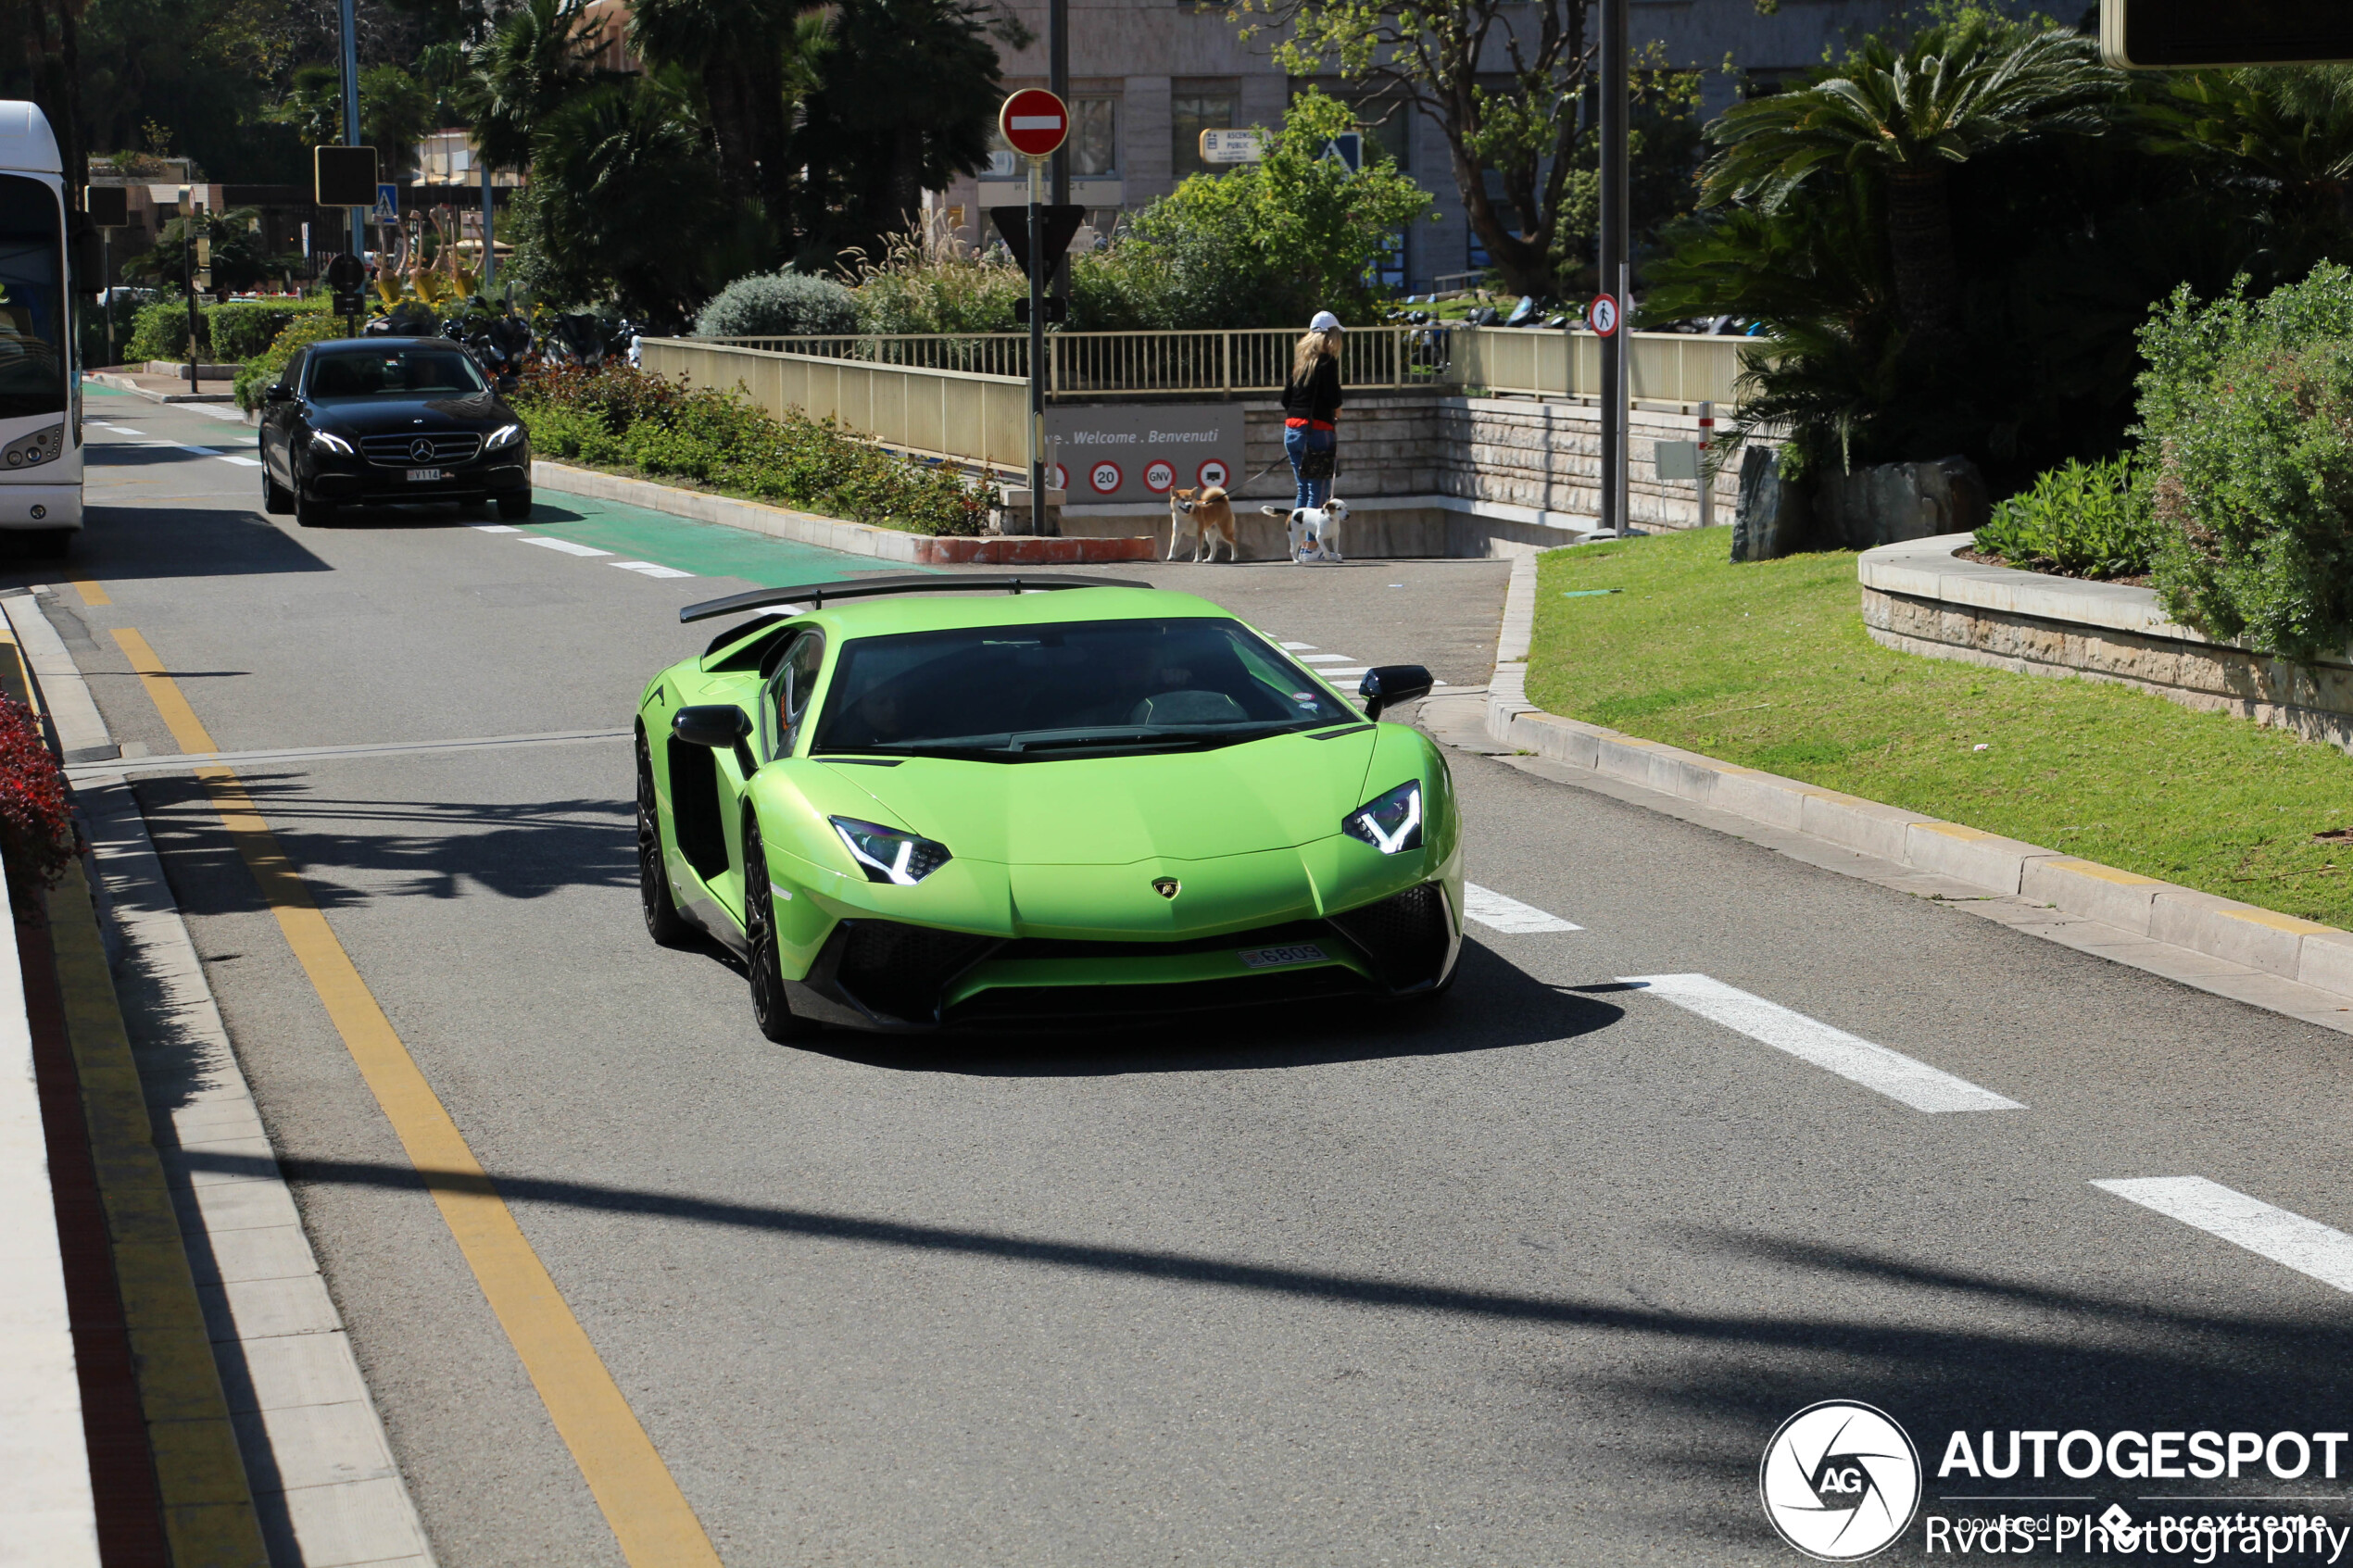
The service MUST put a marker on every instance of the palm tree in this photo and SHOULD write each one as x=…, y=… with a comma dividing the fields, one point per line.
x=541, y=56
x=2286, y=131
x=751, y=60
x=1951, y=93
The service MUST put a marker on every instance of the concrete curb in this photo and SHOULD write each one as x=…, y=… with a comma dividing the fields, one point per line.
x=125, y=383
x=2301, y=951
x=832, y=533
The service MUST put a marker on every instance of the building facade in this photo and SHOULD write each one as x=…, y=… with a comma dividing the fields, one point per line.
x=1147, y=76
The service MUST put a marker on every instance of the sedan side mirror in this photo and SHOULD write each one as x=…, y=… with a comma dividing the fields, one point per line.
x=278, y=391
x=1386, y=685
x=718, y=725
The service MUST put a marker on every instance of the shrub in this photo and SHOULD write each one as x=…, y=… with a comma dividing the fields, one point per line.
x=620, y=417
x=37, y=837
x=310, y=326
x=785, y=304
x=2085, y=519
x=2247, y=411
x=160, y=331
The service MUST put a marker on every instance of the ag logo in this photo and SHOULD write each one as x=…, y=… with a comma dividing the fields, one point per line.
x=1841, y=1481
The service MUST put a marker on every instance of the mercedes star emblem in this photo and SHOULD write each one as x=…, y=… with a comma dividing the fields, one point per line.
x=420, y=450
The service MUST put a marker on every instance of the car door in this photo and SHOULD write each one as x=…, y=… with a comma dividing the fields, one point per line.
x=277, y=422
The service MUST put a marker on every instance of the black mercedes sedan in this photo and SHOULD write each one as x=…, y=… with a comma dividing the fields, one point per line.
x=384, y=420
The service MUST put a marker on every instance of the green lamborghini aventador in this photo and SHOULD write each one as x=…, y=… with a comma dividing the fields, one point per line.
x=957, y=800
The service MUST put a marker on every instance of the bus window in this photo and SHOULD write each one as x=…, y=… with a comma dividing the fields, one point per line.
x=32, y=361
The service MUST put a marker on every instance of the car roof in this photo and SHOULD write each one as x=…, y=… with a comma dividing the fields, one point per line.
x=903, y=613
x=385, y=343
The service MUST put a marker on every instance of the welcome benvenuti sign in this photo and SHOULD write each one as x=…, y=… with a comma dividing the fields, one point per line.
x=1140, y=452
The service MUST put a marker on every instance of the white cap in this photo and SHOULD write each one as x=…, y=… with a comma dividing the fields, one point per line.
x=1325, y=321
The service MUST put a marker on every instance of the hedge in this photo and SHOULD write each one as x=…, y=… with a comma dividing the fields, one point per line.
x=621, y=418
x=238, y=329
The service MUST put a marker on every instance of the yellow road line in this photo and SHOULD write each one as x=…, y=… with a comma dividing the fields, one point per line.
x=92, y=595
x=178, y=717
x=649, y=1516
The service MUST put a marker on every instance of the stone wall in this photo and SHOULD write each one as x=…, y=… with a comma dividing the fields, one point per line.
x=1522, y=453
x=1920, y=600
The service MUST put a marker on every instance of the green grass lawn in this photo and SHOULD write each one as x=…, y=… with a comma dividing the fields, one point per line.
x=1768, y=665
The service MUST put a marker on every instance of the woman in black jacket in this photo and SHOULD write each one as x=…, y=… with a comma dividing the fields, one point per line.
x=1310, y=408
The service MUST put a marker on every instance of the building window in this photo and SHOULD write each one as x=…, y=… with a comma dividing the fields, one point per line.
x=1094, y=138
x=1193, y=109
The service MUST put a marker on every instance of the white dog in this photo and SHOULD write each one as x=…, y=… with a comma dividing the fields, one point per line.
x=1314, y=530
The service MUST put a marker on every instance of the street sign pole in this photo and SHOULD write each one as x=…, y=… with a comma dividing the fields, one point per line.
x=1614, y=387
x=1037, y=355
x=351, y=121
x=1058, y=84
x=188, y=275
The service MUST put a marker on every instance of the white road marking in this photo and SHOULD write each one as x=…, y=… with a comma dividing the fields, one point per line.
x=1897, y=1077
x=1349, y=669
x=649, y=568
x=2306, y=1246
x=1324, y=658
x=122, y=430
x=566, y=545
x=233, y=457
x=493, y=528
x=1498, y=913
x=1296, y=647
x=216, y=411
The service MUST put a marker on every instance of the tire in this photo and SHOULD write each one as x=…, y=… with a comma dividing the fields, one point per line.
x=312, y=513
x=769, y=1008
x=663, y=922
x=275, y=498
x=514, y=509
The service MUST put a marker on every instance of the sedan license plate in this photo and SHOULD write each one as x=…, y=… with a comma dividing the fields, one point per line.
x=424, y=473
x=1275, y=958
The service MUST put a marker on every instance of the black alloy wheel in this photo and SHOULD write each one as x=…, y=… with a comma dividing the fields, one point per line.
x=769, y=1008
x=663, y=922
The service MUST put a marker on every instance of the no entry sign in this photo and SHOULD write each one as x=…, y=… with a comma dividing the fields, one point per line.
x=1034, y=121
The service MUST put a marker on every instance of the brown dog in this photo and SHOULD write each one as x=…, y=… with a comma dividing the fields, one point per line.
x=1212, y=518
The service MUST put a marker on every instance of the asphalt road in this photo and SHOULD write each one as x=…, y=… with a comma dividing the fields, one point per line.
x=1531, y=1279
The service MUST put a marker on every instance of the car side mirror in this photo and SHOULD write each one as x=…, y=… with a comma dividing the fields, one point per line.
x=278, y=391
x=1386, y=685
x=719, y=725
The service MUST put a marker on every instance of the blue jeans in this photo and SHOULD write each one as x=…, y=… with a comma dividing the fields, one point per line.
x=1297, y=443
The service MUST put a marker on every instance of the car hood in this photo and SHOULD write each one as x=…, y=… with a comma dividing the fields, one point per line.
x=392, y=416
x=1272, y=794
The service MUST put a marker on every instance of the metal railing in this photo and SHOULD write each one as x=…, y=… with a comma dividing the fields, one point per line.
x=1087, y=366
x=1683, y=368
x=939, y=413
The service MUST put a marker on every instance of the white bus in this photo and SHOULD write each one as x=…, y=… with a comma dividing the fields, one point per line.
x=40, y=394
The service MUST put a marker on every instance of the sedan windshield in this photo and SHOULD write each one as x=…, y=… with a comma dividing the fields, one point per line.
x=1023, y=694
x=394, y=372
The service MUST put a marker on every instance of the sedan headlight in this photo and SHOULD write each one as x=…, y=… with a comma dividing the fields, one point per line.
x=1391, y=823
x=502, y=438
x=328, y=440
x=888, y=855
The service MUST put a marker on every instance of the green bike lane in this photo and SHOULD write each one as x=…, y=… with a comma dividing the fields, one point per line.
x=628, y=534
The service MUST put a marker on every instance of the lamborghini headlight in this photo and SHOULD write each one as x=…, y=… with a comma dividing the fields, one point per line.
x=502, y=438
x=888, y=855
x=328, y=440
x=1391, y=823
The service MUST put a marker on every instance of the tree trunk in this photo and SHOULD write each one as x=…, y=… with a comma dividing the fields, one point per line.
x=771, y=130
x=52, y=52
x=731, y=120
x=1919, y=242
x=907, y=175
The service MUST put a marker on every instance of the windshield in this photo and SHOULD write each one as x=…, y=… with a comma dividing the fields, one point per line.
x=394, y=372
x=33, y=367
x=1025, y=694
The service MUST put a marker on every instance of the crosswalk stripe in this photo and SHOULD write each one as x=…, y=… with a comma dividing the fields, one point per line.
x=2310, y=1247
x=566, y=545
x=1496, y=912
x=1893, y=1073
x=649, y=568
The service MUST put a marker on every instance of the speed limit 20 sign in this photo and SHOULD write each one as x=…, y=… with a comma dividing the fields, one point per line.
x=1034, y=121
